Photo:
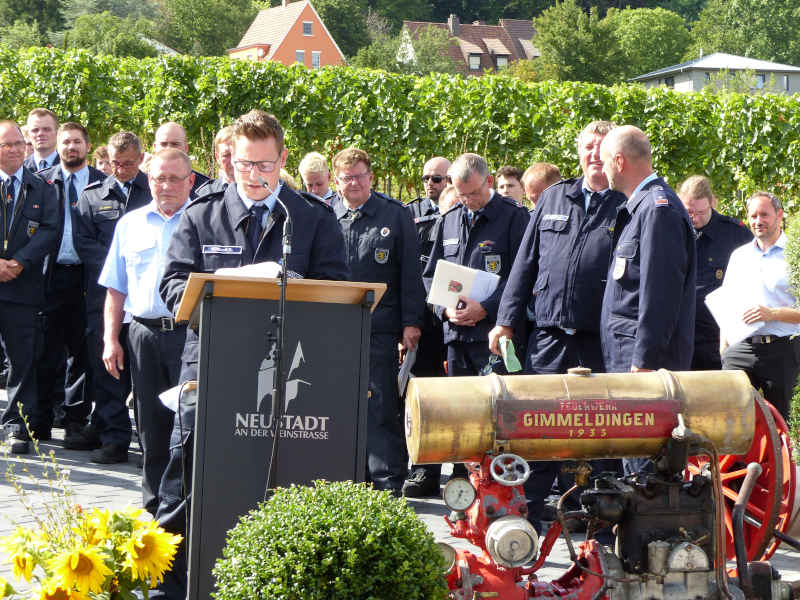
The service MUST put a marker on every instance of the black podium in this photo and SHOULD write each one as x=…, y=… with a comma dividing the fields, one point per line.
x=323, y=428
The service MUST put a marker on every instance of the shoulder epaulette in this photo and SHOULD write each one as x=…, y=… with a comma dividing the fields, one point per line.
x=315, y=199
x=456, y=206
x=387, y=198
x=94, y=184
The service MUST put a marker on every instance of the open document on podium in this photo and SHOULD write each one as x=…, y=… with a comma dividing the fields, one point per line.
x=451, y=280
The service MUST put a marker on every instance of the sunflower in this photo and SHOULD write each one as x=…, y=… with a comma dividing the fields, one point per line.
x=149, y=553
x=52, y=590
x=94, y=528
x=23, y=564
x=5, y=588
x=82, y=568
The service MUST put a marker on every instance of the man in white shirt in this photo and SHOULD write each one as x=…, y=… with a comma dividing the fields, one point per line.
x=758, y=270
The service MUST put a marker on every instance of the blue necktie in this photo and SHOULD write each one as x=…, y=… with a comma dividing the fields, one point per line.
x=255, y=228
x=42, y=165
x=72, y=193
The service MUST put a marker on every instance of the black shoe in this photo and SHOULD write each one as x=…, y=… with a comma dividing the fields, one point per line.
x=109, y=454
x=80, y=438
x=420, y=484
x=43, y=435
x=19, y=443
x=549, y=513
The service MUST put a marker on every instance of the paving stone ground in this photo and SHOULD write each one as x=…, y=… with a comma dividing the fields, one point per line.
x=116, y=486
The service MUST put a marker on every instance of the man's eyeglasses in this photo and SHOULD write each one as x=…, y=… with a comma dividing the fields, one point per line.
x=265, y=166
x=351, y=178
x=434, y=178
x=124, y=164
x=14, y=145
x=171, y=180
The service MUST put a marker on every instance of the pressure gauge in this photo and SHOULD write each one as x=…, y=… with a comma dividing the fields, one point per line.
x=458, y=494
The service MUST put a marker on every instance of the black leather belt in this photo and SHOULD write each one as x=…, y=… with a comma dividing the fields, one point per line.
x=162, y=323
x=766, y=339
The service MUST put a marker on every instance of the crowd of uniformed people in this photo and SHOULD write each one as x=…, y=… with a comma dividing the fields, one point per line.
x=608, y=270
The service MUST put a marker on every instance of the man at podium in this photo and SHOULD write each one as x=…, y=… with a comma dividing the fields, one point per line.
x=238, y=226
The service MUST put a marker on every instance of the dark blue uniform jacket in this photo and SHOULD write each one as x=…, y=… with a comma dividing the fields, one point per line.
x=715, y=243
x=33, y=234
x=649, y=302
x=100, y=206
x=563, y=260
x=55, y=176
x=212, y=234
x=489, y=245
x=381, y=246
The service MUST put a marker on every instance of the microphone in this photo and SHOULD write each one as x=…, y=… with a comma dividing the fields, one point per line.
x=287, y=223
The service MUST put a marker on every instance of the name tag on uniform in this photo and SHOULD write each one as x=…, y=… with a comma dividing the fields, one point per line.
x=211, y=249
x=619, y=267
x=450, y=242
x=552, y=217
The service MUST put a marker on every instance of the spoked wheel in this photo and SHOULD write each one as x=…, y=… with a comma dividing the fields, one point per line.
x=767, y=502
x=789, y=482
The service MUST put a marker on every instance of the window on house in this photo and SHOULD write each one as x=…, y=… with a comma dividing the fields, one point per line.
x=474, y=62
x=300, y=56
x=316, y=59
x=669, y=82
x=761, y=80
x=785, y=83
x=707, y=76
x=502, y=62
x=308, y=28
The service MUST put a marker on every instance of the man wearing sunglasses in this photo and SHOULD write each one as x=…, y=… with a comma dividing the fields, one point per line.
x=431, y=353
x=100, y=206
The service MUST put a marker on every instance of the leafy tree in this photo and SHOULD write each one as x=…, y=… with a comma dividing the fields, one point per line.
x=425, y=52
x=21, y=35
x=395, y=11
x=345, y=22
x=754, y=28
x=209, y=28
x=636, y=29
x=47, y=13
x=72, y=9
x=576, y=46
x=525, y=70
x=105, y=33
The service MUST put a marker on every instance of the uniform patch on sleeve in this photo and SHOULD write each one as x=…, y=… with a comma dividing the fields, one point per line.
x=661, y=201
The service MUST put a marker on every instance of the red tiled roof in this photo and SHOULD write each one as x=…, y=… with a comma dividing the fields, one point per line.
x=488, y=40
x=271, y=26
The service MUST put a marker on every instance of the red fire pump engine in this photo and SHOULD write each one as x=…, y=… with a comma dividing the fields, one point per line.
x=722, y=488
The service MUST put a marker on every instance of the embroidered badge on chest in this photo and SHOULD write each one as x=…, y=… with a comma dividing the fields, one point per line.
x=385, y=232
x=381, y=255
x=492, y=263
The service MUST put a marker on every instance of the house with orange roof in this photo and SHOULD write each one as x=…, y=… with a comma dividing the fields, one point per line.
x=290, y=33
x=477, y=47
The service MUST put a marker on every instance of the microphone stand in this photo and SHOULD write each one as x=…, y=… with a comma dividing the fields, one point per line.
x=279, y=391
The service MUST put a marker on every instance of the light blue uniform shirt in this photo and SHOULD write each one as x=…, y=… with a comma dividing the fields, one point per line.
x=49, y=159
x=587, y=195
x=270, y=201
x=642, y=183
x=66, y=252
x=17, y=184
x=135, y=262
x=753, y=273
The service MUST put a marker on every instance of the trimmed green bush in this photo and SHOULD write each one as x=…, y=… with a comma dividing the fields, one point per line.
x=333, y=541
x=743, y=143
